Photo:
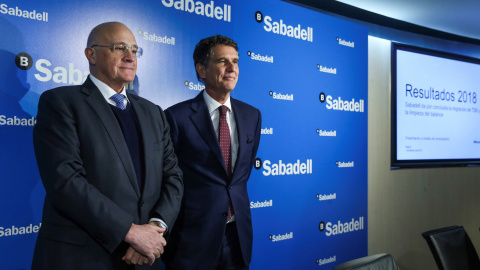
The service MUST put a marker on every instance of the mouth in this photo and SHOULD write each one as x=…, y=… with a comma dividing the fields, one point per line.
x=128, y=68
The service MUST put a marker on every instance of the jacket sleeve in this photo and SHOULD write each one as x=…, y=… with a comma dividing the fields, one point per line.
x=170, y=201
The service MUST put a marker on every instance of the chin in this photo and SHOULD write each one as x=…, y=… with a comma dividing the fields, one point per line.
x=130, y=75
x=128, y=78
x=230, y=87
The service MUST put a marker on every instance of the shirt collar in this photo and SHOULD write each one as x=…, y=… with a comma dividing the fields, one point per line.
x=212, y=104
x=106, y=90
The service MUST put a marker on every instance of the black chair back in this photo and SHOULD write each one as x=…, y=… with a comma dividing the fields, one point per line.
x=381, y=261
x=452, y=248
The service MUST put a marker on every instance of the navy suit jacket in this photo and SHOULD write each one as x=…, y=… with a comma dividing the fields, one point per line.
x=92, y=194
x=196, y=238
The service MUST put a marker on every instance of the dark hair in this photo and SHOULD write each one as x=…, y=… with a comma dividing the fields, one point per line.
x=203, y=50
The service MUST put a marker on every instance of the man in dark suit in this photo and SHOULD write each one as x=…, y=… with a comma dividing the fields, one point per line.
x=216, y=139
x=113, y=185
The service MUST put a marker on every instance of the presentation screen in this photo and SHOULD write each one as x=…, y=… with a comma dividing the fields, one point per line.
x=435, y=108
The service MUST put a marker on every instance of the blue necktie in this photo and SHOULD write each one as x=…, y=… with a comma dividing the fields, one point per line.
x=118, y=99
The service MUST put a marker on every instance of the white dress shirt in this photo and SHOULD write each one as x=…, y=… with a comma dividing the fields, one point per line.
x=213, y=105
x=107, y=91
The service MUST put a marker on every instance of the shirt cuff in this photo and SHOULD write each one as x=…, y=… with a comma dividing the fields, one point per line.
x=161, y=223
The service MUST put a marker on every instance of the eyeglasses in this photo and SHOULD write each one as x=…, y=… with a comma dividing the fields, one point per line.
x=122, y=48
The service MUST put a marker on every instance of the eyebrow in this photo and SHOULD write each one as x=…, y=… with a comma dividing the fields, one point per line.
x=225, y=58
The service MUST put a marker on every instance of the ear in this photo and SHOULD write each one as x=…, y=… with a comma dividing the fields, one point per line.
x=91, y=55
x=200, y=70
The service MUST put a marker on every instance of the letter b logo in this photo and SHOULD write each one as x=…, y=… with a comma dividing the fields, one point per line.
x=258, y=163
x=23, y=61
x=321, y=226
x=259, y=16
x=322, y=97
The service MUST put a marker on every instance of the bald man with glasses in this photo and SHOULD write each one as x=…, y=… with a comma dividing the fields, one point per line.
x=113, y=185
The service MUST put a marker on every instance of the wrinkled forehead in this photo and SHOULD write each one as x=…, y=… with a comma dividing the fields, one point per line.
x=223, y=51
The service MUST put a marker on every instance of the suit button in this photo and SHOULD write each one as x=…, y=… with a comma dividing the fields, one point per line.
x=225, y=214
x=141, y=204
x=229, y=187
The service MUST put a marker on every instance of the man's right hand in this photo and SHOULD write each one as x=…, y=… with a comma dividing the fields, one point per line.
x=147, y=240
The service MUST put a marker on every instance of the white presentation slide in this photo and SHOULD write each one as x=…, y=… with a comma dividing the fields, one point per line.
x=438, y=107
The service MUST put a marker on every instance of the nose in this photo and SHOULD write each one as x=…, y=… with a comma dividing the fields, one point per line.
x=232, y=66
x=129, y=56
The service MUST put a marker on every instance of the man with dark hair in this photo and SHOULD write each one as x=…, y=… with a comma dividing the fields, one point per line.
x=216, y=139
x=113, y=185
x=203, y=50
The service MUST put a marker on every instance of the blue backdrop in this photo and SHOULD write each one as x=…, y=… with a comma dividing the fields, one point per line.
x=305, y=71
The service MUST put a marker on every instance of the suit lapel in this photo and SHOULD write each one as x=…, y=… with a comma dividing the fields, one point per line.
x=241, y=121
x=144, y=119
x=98, y=104
x=202, y=121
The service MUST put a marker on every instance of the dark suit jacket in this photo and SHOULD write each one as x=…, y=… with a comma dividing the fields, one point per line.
x=92, y=195
x=197, y=235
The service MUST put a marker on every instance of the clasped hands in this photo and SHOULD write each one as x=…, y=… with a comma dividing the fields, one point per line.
x=146, y=244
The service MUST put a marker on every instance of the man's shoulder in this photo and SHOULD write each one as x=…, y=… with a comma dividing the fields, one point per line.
x=142, y=100
x=181, y=106
x=69, y=91
x=240, y=105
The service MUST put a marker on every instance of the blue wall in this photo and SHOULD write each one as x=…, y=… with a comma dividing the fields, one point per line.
x=306, y=72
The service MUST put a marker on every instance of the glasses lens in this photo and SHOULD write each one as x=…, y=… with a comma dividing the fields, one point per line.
x=139, y=52
x=120, y=48
x=134, y=49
